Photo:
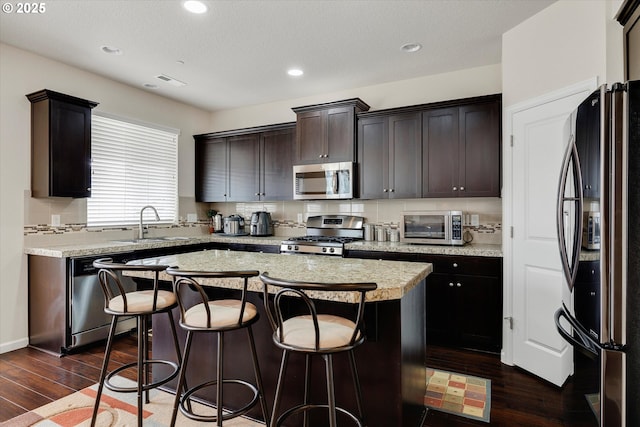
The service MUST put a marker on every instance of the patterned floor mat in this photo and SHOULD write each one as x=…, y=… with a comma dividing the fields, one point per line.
x=458, y=394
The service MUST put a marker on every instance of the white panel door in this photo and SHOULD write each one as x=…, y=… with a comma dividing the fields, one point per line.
x=540, y=135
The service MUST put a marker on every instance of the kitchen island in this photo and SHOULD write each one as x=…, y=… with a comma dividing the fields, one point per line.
x=391, y=363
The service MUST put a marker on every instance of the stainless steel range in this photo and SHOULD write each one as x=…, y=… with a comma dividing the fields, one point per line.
x=326, y=235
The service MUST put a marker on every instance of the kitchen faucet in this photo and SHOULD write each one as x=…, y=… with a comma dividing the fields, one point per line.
x=141, y=231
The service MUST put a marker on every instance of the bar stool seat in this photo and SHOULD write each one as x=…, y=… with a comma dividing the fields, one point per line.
x=142, y=305
x=314, y=334
x=200, y=314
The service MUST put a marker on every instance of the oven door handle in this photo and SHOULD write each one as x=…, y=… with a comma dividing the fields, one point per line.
x=580, y=339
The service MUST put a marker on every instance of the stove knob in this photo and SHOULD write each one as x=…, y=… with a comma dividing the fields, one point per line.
x=332, y=250
x=296, y=247
x=324, y=249
x=288, y=247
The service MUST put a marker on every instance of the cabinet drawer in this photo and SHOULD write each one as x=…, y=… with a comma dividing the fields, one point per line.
x=477, y=266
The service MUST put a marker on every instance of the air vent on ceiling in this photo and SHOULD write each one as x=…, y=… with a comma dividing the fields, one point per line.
x=170, y=80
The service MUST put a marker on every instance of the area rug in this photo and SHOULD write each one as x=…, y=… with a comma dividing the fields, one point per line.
x=116, y=410
x=594, y=403
x=458, y=394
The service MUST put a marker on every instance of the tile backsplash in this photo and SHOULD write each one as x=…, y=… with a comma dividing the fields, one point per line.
x=289, y=216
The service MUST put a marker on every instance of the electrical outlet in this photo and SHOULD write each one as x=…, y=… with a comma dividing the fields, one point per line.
x=192, y=217
x=475, y=220
x=55, y=220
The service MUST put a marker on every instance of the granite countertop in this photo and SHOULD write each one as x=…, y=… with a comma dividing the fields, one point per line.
x=394, y=278
x=122, y=245
x=117, y=246
x=466, y=250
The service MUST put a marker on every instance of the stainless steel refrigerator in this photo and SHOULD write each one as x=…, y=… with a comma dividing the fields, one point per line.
x=598, y=218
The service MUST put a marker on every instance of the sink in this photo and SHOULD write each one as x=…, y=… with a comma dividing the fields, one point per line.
x=152, y=240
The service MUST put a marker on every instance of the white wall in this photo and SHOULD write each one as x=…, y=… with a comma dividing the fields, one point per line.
x=568, y=42
x=458, y=84
x=22, y=73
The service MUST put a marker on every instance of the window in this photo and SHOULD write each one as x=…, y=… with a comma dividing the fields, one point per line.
x=133, y=165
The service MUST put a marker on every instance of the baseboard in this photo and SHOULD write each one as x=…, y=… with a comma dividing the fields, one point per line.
x=6, y=347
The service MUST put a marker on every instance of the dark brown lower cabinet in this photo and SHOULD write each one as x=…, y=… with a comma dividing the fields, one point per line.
x=464, y=302
x=463, y=298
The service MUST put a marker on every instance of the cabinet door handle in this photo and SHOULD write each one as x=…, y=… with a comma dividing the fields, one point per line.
x=455, y=265
x=451, y=284
x=320, y=156
x=459, y=284
x=455, y=188
x=257, y=194
x=461, y=188
x=392, y=190
x=384, y=190
x=592, y=293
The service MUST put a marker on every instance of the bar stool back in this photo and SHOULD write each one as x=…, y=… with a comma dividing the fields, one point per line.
x=140, y=304
x=315, y=334
x=215, y=316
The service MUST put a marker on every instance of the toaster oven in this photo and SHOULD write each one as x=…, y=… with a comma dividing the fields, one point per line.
x=432, y=227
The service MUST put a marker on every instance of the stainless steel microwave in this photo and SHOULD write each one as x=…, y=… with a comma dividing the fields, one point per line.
x=432, y=227
x=323, y=181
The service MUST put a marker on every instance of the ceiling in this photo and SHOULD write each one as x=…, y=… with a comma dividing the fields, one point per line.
x=237, y=53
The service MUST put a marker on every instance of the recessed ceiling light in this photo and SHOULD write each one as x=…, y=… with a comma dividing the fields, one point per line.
x=295, y=72
x=195, y=6
x=411, y=47
x=111, y=50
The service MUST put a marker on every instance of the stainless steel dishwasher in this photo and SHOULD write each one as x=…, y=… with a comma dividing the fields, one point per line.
x=88, y=321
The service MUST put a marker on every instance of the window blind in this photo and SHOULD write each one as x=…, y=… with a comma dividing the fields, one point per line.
x=133, y=165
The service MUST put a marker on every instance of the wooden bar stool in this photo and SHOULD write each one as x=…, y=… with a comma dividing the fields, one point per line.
x=315, y=334
x=139, y=304
x=199, y=314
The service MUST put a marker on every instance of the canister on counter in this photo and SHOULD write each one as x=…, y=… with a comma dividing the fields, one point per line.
x=381, y=234
x=369, y=232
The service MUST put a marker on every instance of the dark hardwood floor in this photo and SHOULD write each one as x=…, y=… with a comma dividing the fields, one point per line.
x=30, y=378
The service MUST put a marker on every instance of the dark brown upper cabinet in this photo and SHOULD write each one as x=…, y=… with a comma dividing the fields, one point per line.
x=60, y=145
x=325, y=133
x=461, y=150
x=389, y=156
x=211, y=169
x=245, y=165
x=277, y=164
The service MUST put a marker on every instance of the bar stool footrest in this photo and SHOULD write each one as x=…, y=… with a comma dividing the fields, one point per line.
x=308, y=407
x=145, y=387
x=229, y=414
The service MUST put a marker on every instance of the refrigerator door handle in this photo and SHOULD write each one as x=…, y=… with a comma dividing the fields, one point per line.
x=580, y=339
x=570, y=266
